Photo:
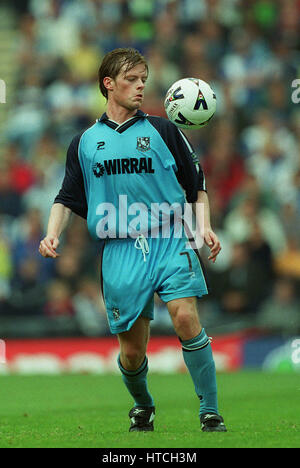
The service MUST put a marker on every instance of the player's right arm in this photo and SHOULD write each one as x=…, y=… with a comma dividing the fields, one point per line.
x=71, y=198
x=58, y=220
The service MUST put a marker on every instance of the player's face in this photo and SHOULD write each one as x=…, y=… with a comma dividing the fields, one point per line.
x=128, y=87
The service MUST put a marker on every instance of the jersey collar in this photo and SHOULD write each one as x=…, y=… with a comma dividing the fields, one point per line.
x=121, y=127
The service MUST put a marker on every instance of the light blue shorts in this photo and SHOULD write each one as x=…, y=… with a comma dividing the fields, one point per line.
x=133, y=270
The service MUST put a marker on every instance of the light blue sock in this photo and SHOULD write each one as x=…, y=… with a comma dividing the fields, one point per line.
x=136, y=383
x=199, y=360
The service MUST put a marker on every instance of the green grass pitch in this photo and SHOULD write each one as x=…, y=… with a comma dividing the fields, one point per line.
x=91, y=411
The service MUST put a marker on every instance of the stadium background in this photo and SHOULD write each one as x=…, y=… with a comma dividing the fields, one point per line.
x=249, y=52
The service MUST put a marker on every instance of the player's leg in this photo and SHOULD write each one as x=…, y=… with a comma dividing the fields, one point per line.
x=133, y=344
x=184, y=315
x=133, y=364
x=196, y=350
x=128, y=295
x=198, y=357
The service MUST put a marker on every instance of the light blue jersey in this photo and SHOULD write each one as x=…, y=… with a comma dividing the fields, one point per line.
x=130, y=181
x=125, y=178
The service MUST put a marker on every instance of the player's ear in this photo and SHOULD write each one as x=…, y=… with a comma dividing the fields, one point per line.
x=108, y=83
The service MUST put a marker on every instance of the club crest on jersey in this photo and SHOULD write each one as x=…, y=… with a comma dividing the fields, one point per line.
x=143, y=143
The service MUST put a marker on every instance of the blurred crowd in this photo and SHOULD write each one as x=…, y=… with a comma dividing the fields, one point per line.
x=250, y=152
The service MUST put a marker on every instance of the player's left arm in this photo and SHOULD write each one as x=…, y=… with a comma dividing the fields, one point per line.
x=191, y=176
x=209, y=236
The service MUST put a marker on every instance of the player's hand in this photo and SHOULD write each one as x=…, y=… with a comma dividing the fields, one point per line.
x=48, y=247
x=212, y=241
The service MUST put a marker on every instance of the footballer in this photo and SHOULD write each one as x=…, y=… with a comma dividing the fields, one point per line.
x=147, y=160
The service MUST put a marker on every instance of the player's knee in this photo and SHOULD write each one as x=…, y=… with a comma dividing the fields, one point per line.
x=184, y=319
x=132, y=357
x=186, y=322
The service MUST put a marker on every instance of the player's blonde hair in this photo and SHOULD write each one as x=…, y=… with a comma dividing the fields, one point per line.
x=114, y=61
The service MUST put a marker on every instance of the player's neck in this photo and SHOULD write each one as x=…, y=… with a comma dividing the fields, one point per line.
x=119, y=114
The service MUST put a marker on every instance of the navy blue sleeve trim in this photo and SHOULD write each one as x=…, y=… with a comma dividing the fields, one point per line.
x=190, y=174
x=72, y=193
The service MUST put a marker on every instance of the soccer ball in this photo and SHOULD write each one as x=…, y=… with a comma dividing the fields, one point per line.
x=190, y=103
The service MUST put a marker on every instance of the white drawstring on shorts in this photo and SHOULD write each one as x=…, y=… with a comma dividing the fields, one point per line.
x=141, y=243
